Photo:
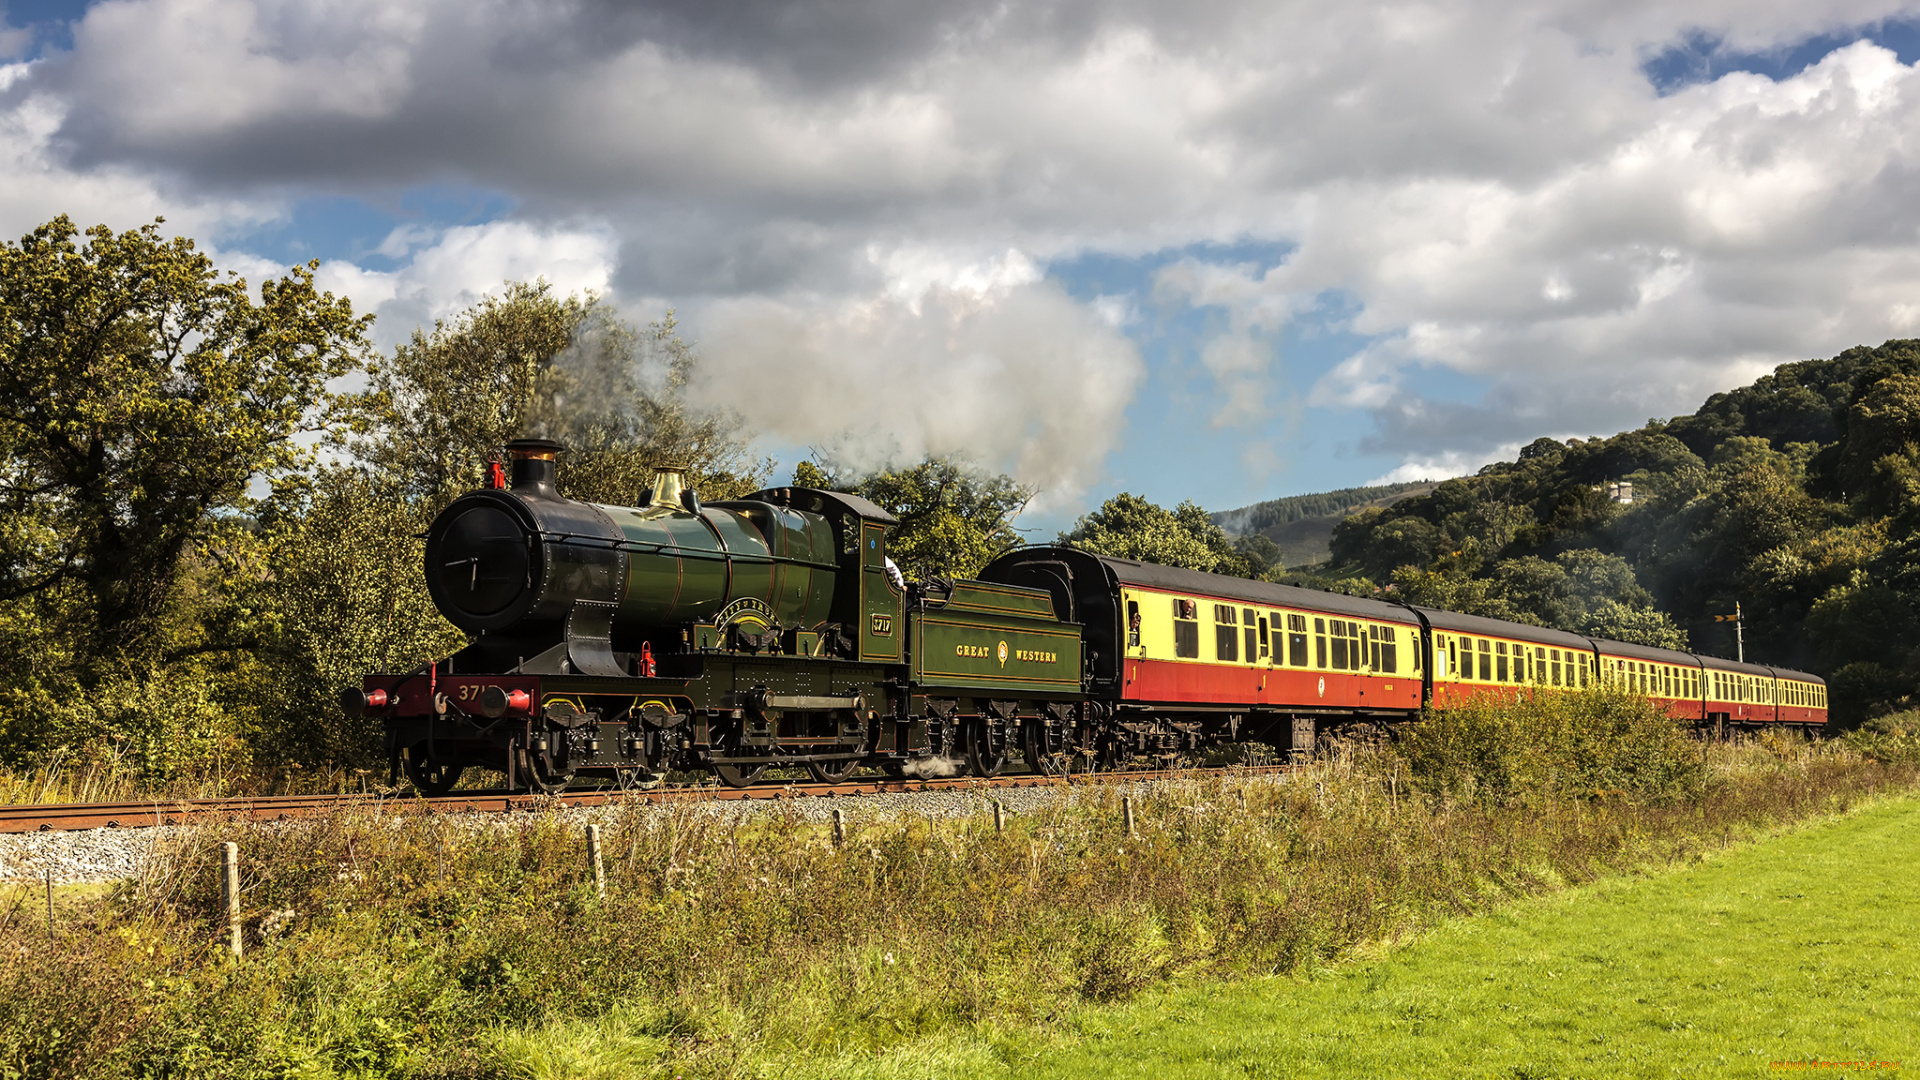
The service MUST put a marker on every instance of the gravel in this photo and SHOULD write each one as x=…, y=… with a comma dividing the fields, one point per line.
x=102, y=855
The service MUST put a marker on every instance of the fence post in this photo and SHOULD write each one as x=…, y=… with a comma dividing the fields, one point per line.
x=49, y=899
x=839, y=828
x=230, y=893
x=1126, y=812
x=999, y=816
x=593, y=858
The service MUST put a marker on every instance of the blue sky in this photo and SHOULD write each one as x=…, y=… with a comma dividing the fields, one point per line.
x=1244, y=253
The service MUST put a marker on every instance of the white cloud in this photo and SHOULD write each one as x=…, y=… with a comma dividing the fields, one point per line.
x=854, y=198
x=463, y=264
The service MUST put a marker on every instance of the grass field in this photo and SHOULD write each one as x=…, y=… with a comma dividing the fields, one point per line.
x=1234, y=930
x=1799, y=948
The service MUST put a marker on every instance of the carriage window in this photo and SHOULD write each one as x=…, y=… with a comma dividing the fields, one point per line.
x=1297, y=640
x=1320, y=643
x=1486, y=661
x=1389, y=650
x=1263, y=635
x=1500, y=661
x=1256, y=645
x=1226, y=633
x=1186, y=629
x=1133, y=624
x=1339, y=645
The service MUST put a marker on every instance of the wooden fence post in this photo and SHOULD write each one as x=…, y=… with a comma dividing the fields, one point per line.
x=999, y=816
x=593, y=859
x=839, y=828
x=230, y=893
x=1126, y=812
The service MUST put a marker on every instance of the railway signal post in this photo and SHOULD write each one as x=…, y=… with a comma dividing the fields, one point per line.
x=1739, y=631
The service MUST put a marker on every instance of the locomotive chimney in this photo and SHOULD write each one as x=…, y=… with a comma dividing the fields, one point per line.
x=535, y=464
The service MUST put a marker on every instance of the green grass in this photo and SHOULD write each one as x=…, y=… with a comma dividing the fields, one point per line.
x=383, y=941
x=1803, y=947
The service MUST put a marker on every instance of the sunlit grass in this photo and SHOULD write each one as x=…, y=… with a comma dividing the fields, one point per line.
x=387, y=941
x=1798, y=949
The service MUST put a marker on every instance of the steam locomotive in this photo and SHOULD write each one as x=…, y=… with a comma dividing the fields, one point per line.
x=619, y=643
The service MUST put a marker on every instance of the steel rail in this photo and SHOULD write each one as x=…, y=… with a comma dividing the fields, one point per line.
x=67, y=817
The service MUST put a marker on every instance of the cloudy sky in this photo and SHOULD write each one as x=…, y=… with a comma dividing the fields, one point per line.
x=1212, y=249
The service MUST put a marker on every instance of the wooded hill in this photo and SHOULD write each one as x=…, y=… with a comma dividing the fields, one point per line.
x=1796, y=497
x=1301, y=526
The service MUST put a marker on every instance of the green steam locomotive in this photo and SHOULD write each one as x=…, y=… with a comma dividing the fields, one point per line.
x=771, y=631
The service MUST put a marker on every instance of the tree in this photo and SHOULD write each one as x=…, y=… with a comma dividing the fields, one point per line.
x=1641, y=626
x=954, y=516
x=1129, y=527
x=140, y=394
x=529, y=364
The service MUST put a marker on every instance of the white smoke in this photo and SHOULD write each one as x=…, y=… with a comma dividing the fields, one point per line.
x=934, y=767
x=991, y=361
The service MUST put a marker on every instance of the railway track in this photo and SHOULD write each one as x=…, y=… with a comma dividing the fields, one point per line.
x=55, y=817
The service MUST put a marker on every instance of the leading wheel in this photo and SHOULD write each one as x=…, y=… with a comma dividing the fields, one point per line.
x=541, y=774
x=983, y=759
x=431, y=777
x=737, y=776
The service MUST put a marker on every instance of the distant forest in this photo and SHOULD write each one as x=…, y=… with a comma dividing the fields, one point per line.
x=1263, y=516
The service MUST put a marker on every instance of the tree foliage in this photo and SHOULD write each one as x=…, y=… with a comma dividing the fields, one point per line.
x=1129, y=527
x=1797, y=497
x=529, y=364
x=954, y=516
x=140, y=393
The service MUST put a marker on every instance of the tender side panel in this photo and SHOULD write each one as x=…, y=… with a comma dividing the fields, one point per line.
x=976, y=651
x=1199, y=650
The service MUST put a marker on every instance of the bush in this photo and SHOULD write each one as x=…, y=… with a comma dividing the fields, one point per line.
x=1582, y=744
x=1893, y=739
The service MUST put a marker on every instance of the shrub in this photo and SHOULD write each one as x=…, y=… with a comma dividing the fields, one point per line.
x=1598, y=742
x=1893, y=739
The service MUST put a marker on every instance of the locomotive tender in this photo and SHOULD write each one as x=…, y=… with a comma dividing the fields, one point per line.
x=621, y=642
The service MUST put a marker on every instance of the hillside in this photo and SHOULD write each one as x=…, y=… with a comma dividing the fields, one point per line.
x=1797, y=497
x=1301, y=526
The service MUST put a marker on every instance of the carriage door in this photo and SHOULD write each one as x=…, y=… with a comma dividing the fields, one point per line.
x=1136, y=641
